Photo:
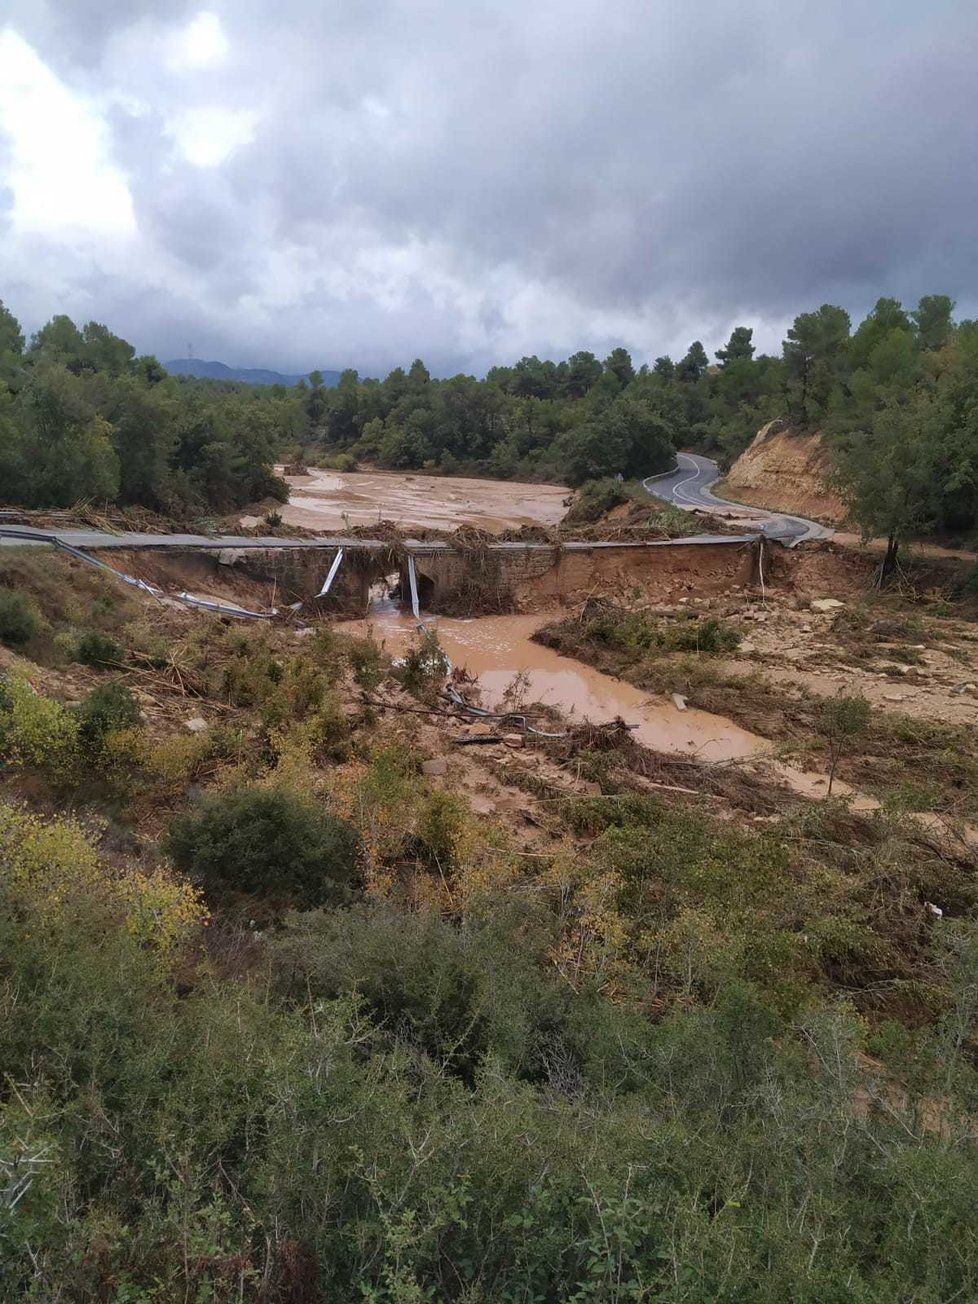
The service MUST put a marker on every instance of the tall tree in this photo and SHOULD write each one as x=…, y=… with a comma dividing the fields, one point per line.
x=694, y=364
x=739, y=348
x=932, y=318
x=815, y=357
x=893, y=473
x=583, y=373
x=11, y=347
x=11, y=336
x=887, y=315
x=619, y=364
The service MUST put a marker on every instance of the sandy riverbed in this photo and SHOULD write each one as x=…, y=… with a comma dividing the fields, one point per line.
x=327, y=500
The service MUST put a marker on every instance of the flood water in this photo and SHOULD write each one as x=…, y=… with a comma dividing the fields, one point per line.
x=330, y=500
x=497, y=648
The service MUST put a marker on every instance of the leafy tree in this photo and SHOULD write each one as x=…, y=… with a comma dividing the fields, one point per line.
x=887, y=316
x=739, y=347
x=11, y=346
x=60, y=341
x=104, y=351
x=583, y=373
x=932, y=319
x=619, y=364
x=143, y=417
x=418, y=375
x=315, y=399
x=694, y=364
x=892, y=473
x=816, y=360
x=630, y=439
x=11, y=337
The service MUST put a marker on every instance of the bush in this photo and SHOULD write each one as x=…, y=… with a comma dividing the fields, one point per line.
x=267, y=840
x=36, y=730
x=19, y=619
x=424, y=667
x=455, y=994
x=595, y=499
x=107, y=709
x=639, y=632
x=97, y=650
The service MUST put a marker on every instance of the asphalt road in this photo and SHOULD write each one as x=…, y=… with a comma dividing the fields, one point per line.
x=688, y=487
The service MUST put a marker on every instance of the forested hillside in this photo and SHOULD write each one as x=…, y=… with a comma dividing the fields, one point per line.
x=83, y=417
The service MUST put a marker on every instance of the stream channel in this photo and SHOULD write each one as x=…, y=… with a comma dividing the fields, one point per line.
x=495, y=649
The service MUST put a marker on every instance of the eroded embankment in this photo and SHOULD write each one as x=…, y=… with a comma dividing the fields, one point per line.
x=787, y=472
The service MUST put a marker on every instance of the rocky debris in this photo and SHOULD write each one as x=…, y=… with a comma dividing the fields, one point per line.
x=826, y=604
x=434, y=768
x=678, y=701
x=197, y=724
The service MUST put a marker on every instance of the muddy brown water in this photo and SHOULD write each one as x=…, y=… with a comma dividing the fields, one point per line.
x=326, y=500
x=495, y=649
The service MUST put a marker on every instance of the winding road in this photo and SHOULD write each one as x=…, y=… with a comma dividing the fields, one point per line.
x=688, y=487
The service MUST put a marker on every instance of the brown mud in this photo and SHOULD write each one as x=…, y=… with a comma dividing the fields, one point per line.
x=330, y=500
x=497, y=649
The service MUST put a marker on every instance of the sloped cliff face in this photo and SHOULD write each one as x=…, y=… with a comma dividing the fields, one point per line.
x=785, y=471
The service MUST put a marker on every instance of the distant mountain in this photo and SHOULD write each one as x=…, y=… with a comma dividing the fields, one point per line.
x=249, y=375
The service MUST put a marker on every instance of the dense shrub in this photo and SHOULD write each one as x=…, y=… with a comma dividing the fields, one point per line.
x=19, y=620
x=97, y=650
x=267, y=840
x=595, y=499
x=639, y=632
x=108, y=708
x=36, y=730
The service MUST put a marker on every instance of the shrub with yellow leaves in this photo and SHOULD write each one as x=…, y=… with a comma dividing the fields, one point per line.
x=36, y=730
x=51, y=870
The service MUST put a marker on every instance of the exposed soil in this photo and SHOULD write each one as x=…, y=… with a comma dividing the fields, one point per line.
x=784, y=471
x=326, y=500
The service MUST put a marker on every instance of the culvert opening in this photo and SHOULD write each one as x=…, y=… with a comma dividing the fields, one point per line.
x=384, y=595
x=426, y=592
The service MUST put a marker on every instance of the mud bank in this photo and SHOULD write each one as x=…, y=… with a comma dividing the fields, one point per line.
x=325, y=500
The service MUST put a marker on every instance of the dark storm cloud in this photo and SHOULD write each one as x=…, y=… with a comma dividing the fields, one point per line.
x=471, y=181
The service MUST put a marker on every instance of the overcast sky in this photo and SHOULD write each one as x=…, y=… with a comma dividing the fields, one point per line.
x=358, y=182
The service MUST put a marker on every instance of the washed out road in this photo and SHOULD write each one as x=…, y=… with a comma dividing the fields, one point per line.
x=688, y=487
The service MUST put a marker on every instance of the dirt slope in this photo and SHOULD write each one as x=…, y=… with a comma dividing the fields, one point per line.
x=784, y=471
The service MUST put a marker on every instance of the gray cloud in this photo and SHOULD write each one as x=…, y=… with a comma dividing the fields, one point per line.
x=469, y=182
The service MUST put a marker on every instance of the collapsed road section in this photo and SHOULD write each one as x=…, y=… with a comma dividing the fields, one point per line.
x=335, y=575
